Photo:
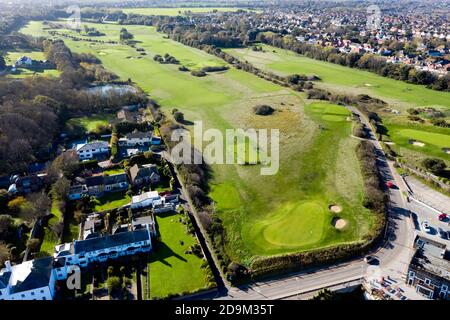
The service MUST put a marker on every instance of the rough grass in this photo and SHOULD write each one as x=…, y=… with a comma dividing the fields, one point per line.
x=171, y=270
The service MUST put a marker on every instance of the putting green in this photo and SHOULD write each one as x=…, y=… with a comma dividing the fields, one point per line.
x=437, y=139
x=293, y=225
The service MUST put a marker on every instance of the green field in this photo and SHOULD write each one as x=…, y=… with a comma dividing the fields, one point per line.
x=111, y=201
x=11, y=58
x=317, y=155
x=176, y=11
x=173, y=271
x=91, y=123
x=400, y=95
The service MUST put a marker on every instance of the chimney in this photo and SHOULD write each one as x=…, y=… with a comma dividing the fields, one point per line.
x=8, y=265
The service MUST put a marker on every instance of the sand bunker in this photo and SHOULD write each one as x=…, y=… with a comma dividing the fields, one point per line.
x=446, y=150
x=339, y=223
x=335, y=208
x=416, y=143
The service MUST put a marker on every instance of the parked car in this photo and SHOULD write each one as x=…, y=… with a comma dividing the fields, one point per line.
x=442, y=217
x=370, y=259
x=403, y=298
x=390, y=185
x=442, y=233
x=426, y=226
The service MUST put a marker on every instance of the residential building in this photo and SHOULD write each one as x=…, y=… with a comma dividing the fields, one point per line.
x=95, y=185
x=136, y=138
x=26, y=184
x=115, y=182
x=126, y=115
x=429, y=269
x=75, y=192
x=145, y=200
x=23, y=61
x=100, y=249
x=92, y=150
x=30, y=280
x=140, y=175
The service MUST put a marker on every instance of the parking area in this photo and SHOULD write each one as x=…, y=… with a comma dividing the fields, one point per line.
x=428, y=195
x=421, y=213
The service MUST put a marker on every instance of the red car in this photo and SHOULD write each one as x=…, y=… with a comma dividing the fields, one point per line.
x=442, y=217
x=390, y=184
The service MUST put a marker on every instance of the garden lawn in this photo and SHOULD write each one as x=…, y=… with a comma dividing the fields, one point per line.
x=171, y=270
x=91, y=123
x=111, y=201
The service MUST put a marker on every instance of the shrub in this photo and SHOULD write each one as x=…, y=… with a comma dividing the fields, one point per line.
x=263, y=110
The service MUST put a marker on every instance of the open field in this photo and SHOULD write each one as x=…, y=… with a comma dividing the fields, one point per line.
x=171, y=269
x=11, y=58
x=91, y=123
x=255, y=209
x=176, y=11
x=400, y=95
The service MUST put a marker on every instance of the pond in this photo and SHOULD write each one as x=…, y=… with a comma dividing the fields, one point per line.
x=115, y=88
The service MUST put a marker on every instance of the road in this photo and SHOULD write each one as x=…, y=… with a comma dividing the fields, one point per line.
x=393, y=253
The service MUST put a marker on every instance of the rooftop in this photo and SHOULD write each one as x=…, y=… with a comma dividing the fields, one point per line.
x=432, y=256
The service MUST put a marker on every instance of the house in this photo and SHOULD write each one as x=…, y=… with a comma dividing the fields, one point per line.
x=115, y=182
x=95, y=185
x=145, y=199
x=30, y=280
x=429, y=269
x=91, y=228
x=100, y=249
x=136, y=138
x=91, y=150
x=75, y=192
x=26, y=184
x=126, y=115
x=23, y=61
x=140, y=175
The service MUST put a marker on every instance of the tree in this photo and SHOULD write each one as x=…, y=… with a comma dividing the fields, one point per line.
x=434, y=165
x=5, y=254
x=37, y=206
x=113, y=284
x=4, y=198
x=6, y=226
x=33, y=244
x=2, y=63
x=60, y=189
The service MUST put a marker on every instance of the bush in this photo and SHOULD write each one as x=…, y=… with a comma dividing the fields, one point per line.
x=197, y=73
x=434, y=165
x=178, y=116
x=263, y=110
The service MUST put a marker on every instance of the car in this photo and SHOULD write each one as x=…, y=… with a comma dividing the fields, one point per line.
x=370, y=259
x=403, y=298
x=442, y=217
x=390, y=185
x=426, y=226
x=442, y=233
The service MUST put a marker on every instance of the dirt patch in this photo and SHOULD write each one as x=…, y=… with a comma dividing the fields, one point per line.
x=339, y=223
x=335, y=208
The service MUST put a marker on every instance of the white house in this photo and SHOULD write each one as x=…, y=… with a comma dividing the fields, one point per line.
x=145, y=199
x=30, y=280
x=23, y=61
x=137, y=138
x=100, y=249
x=87, y=151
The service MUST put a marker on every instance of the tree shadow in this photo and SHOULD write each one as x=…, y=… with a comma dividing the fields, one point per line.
x=161, y=252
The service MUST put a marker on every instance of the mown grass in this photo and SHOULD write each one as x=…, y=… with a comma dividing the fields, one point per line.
x=111, y=201
x=91, y=123
x=171, y=270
